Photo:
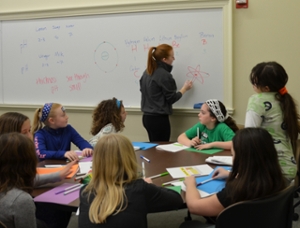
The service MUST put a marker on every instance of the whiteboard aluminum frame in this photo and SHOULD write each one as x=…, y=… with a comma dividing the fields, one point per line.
x=130, y=6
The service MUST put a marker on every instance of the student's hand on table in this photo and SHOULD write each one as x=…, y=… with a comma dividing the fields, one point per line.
x=71, y=155
x=66, y=170
x=204, y=146
x=195, y=142
x=148, y=180
x=87, y=152
x=190, y=181
x=220, y=173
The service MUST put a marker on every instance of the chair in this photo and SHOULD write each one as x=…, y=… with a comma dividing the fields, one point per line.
x=2, y=225
x=275, y=211
x=297, y=179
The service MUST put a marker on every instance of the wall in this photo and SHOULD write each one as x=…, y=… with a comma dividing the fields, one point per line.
x=81, y=121
x=267, y=30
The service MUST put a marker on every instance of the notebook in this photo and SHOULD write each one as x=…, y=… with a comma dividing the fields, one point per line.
x=173, y=147
x=220, y=160
x=197, y=170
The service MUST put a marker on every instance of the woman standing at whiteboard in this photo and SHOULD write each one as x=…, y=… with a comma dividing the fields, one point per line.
x=159, y=92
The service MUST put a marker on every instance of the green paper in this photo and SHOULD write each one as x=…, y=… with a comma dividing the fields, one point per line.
x=175, y=188
x=206, y=151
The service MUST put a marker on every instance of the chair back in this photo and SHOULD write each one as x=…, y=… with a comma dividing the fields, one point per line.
x=2, y=225
x=275, y=211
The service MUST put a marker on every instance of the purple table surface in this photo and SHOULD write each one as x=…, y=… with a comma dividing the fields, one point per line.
x=51, y=197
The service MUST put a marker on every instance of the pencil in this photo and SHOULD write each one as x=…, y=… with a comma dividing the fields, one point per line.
x=143, y=169
x=203, y=182
x=81, y=177
x=73, y=189
x=68, y=188
x=159, y=175
x=144, y=158
x=53, y=166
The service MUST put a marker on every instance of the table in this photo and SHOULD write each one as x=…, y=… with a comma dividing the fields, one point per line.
x=159, y=161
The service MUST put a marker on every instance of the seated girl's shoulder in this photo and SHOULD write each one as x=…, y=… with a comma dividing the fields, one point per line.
x=16, y=194
x=137, y=185
x=109, y=128
x=223, y=126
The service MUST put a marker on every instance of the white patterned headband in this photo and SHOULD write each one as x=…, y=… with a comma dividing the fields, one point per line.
x=214, y=106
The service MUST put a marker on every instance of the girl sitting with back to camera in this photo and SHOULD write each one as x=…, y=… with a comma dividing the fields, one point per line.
x=251, y=176
x=17, y=122
x=214, y=130
x=116, y=196
x=108, y=117
x=18, y=163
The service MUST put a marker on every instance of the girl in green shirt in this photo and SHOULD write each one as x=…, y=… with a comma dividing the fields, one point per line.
x=214, y=130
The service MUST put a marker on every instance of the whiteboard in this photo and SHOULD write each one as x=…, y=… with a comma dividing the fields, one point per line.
x=82, y=60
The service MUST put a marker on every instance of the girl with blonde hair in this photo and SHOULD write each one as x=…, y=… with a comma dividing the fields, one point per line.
x=53, y=135
x=116, y=196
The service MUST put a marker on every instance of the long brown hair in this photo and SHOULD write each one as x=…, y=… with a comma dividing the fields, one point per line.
x=107, y=111
x=18, y=162
x=274, y=76
x=157, y=54
x=229, y=121
x=11, y=122
x=256, y=171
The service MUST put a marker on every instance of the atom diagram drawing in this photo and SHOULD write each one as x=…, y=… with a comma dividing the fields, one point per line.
x=106, y=57
x=196, y=74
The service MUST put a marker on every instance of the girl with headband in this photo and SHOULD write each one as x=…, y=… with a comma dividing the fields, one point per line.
x=53, y=135
x=159, y=92
x=214, y=130
x=274, y=109
x=108, y=117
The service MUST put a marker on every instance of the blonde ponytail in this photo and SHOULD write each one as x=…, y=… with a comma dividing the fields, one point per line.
x=37, y=124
